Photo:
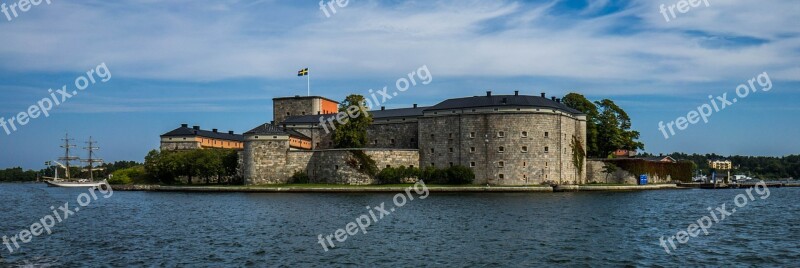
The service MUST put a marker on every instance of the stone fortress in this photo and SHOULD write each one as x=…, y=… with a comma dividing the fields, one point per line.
x=505, y=139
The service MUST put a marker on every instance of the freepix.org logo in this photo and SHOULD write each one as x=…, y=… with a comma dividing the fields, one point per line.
x=715, y=105
x=101, y=74
x=22, y=6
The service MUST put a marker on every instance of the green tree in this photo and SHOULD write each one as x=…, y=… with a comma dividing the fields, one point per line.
x=351, y=132
x=579, y=102
x=614, y=129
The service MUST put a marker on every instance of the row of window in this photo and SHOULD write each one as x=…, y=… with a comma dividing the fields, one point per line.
x=472, y=164
x=500, y=149
x=500, y=134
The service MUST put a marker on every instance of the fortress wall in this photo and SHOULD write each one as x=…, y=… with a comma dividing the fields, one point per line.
x=450, y=138
x=405, y=135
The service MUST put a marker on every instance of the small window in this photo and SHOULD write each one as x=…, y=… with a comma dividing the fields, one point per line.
x=472, y=135
x=501, y=149
x=451, y=164
x=450, y=135
x=287, y=113
x=524, y=134
x=546, y=134
x=451, y=149
x=546, y=149
x=471, y=164
x=524, y=176
x=337, y=167
x=501, y=134
x=412, y=140
x=433, y=164
x=545, y=164
x=388, y=166
x=392, y=141
x=411, y=166
x=524, y=149
x=471, y=149
x=524, y=164
x=433, y=136
x=432, y=150
x=375, y=142
x=501, y=164
x=501, y=176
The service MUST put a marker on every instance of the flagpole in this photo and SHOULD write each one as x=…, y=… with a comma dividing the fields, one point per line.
x=308, y=80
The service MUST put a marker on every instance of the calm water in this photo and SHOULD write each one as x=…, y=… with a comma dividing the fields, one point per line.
x=452, y=230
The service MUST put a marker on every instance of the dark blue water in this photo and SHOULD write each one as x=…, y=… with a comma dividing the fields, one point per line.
x=452, y=230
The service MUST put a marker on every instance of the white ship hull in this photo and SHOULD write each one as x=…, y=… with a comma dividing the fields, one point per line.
x=73, y=184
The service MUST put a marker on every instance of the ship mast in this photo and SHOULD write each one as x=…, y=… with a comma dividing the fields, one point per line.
x=91, y=160
x=67, y=157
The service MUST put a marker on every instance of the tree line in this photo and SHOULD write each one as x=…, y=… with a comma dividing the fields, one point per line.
x=763, y=167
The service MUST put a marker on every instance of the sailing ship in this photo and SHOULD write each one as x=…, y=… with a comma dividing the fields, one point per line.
x=68, y=181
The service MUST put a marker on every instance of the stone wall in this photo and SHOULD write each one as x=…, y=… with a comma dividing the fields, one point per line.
x=265, y=161
x=393, y=135
x=535, y=145
x=285, y=107
x=179, y=145
x=596, y=173
x=271, y=162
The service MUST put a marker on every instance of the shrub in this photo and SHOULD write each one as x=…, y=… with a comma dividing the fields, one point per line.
x=299, y=177
x=131, y=175
x=460, y=175
x=389, y=175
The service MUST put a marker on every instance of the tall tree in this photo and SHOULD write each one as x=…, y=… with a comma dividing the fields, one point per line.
x=579, y=102
x=352, y=122
x=614, y=129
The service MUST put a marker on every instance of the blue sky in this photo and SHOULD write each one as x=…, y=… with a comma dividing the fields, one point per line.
x=218, y=64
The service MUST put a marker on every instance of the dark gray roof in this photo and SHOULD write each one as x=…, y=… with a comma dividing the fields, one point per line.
x=502, y=100
x=376, y=114
x=187, y=131
x=304, y=97
x=270, y=129
x=402, y=112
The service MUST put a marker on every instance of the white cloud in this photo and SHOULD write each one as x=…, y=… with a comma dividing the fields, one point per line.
x=187, y=40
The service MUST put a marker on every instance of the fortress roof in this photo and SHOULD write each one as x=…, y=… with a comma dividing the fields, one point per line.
x=270, y=129
x=502, y=100
x=185, y=130
x=376, y=114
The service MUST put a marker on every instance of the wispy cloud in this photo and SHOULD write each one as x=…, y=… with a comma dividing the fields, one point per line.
x=187, y=40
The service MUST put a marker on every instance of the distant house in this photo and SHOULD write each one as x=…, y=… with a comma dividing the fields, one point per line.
x=622, y=153
x=665, y=159
x=185, y=138
x=720, y=164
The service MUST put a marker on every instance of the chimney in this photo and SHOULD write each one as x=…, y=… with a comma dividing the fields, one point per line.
x=196, y=127
x=553, y=98
x=543, y=96
x=558, y=100
x=214, y=130
x=516, y=92
x=185, y=125
x=230, y=132
x=383, y=108
x=415, y=105
x=488, y=93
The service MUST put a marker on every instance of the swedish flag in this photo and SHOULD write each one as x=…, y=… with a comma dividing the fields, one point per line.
x=302, y=72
